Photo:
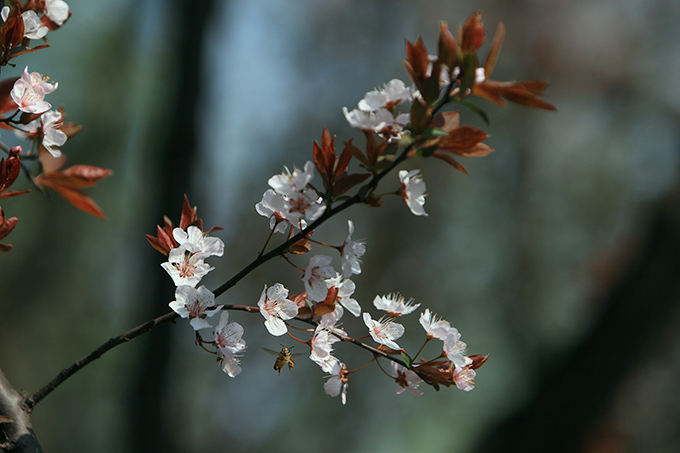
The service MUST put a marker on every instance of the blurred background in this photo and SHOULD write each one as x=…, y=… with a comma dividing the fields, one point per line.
x=559, y=255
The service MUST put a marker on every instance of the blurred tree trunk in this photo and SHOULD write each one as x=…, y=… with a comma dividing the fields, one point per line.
x=570, y=399
x=175, y=158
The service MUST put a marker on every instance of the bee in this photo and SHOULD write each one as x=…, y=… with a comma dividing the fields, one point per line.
x=282, y=357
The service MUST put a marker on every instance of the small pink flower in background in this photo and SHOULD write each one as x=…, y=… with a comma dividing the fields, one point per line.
x=52, y=134
x=384, y=331
x=413, y=191
x=464, y=378
x=318, y=271
x=185, y=266
x=57, y=11
x=48, y=126
x=395, y=305
x=352, y=251
x=455, y=350
x=29, y=92
x=338, y=382
x=406, y=380
x=229, y=344
x=195, y=304
x=275, y=308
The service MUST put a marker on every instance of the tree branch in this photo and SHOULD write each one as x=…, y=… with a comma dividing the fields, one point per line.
x=16, y=433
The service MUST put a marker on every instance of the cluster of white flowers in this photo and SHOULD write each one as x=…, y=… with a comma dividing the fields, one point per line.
x=56, y=11
x=453, y=349
x=290, y=200
x=377, y=110
x=186, y=266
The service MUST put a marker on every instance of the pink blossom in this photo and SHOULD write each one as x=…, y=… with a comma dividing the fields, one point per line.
x=464, y=377
x=29, y=92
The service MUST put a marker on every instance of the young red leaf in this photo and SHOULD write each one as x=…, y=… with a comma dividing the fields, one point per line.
x=344, y=183
x=449, y=160
x=448, y=47
x=473, y=32
x=7, y=104
x=495, y=49
x=77, y=199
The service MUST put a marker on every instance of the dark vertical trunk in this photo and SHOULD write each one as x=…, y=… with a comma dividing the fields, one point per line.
x=175, y=158
x=571, y=398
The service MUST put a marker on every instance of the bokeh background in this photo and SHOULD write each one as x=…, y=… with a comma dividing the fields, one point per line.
x=558, y=255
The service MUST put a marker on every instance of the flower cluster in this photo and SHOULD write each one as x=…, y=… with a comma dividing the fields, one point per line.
x=291, y=200
x=24, y=109
x=400, y=122
x=187, y=248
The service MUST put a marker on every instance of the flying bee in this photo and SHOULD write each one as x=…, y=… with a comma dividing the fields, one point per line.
x=282, y=357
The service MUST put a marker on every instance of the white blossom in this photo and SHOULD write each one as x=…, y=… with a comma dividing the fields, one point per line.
x=275, y=308
x=229, y=344
x=195, y=304
x=413, y=191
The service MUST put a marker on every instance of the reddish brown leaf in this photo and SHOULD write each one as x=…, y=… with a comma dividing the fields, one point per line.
x=447, y=121
x=30, y=50
x=525, y=93
x=449, y=160
x=10, y=168
x=357, y=153
x=300, y=247
x=462, y=138
x=417, y=60
x=13, y=193
x=473, y=32
x=342, y=163
x=12, y=30
x=6, y=102
x=189, y=216
x=88, y=173
x=344, y=183
x=448, y=47
x=6, y=225
x=494, y=51
x=79, y=200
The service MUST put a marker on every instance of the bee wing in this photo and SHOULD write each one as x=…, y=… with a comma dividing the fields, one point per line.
x=298, y=354
x=271, y=351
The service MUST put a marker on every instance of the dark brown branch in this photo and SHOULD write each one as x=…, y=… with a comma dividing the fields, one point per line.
x=69, y=371
x=16, y=433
